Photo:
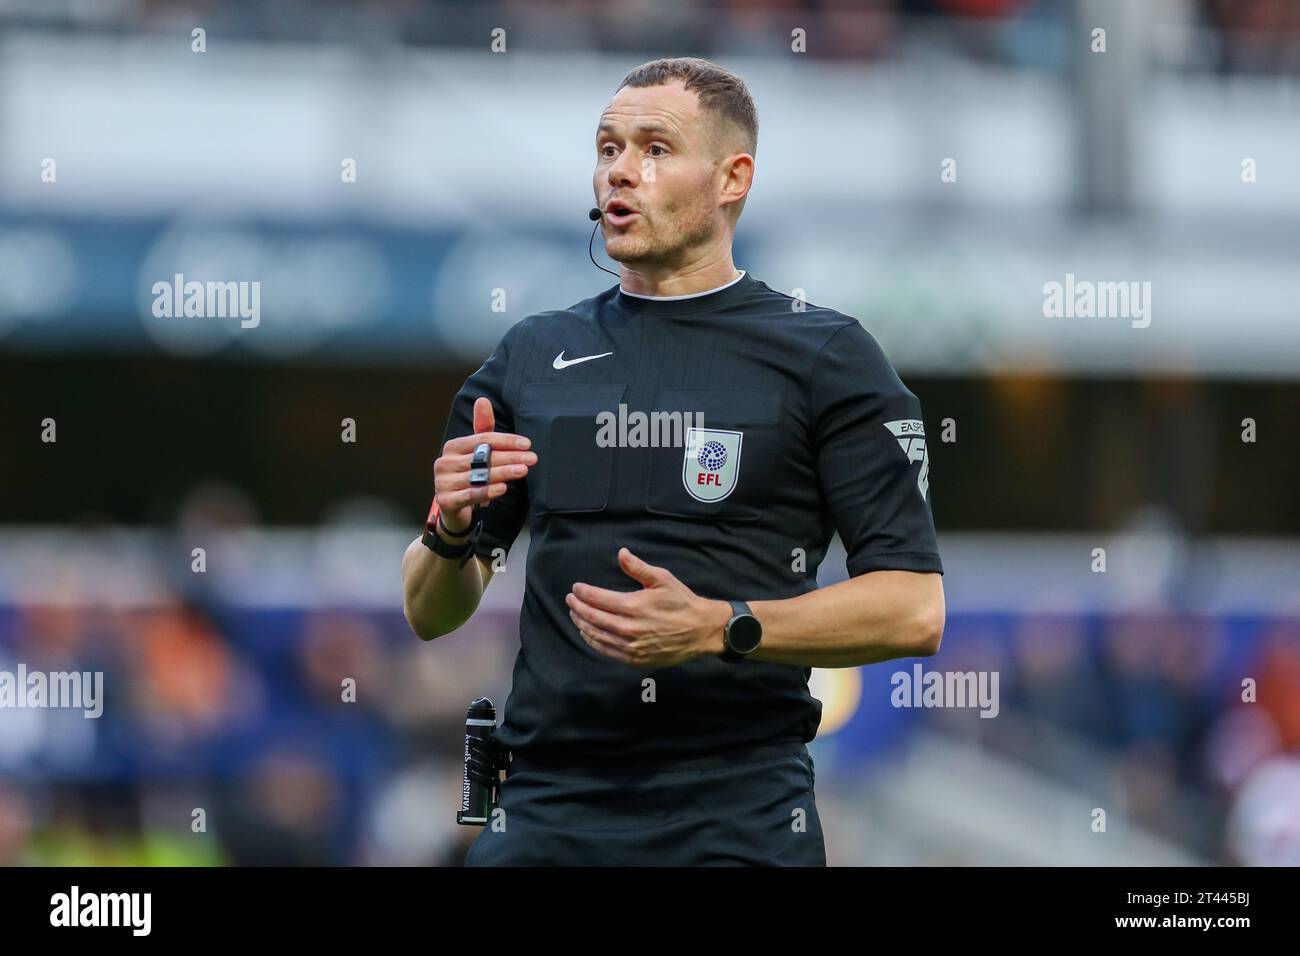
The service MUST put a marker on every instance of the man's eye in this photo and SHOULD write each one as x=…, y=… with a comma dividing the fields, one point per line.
x=657, y=146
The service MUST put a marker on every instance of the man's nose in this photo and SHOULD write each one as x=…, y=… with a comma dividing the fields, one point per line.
x=625, y=169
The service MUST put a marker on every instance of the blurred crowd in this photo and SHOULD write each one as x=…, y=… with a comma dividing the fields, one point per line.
x=1228, y=35
x=1189, y=725
x=332, y=736
x=240, y=737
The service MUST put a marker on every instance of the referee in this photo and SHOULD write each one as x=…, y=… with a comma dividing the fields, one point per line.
x=660, y=711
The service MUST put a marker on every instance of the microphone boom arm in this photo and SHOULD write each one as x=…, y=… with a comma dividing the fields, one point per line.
x=594, y=216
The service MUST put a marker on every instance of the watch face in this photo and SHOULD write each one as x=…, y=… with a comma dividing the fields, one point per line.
x=744, y=633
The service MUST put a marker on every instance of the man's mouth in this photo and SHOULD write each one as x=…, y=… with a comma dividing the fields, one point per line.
x=619, y=213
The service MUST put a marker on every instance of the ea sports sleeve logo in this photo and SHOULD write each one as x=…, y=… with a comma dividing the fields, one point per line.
x=911, y=438
x=712, y=463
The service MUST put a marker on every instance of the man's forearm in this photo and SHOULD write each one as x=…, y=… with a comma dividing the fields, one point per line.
x=439, y=595
x=870, y=618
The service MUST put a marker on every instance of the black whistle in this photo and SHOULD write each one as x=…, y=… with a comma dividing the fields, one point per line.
x=479, y=465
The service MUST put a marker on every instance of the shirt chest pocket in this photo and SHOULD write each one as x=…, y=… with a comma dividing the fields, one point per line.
x=725, y=465
x=573, y=471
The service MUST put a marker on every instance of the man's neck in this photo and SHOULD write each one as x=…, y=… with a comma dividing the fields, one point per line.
x=674, y=284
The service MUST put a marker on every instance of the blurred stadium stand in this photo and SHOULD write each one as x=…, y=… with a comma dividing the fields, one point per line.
x=1118, y=690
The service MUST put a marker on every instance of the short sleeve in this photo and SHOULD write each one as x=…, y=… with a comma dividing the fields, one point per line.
x=873, y=469
x=503, y=519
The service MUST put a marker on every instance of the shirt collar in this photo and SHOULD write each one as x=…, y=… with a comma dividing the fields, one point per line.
x=689, y=295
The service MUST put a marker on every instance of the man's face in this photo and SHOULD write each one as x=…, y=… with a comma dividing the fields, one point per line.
x=655, y=152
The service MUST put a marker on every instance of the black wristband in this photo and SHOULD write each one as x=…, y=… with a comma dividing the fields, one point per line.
x=440, y=524
x=462, y=552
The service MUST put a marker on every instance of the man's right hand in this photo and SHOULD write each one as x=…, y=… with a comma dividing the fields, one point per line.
x=510, y=461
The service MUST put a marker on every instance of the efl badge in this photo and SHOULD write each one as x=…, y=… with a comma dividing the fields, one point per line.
x=911, y=437
x=712, y=463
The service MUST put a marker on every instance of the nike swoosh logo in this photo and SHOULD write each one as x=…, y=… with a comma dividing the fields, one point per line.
x=561, y=362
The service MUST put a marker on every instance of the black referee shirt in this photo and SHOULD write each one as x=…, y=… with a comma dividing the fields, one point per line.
x=790, y=425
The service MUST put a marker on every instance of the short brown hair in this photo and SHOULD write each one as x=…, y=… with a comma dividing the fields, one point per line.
x=720, y=91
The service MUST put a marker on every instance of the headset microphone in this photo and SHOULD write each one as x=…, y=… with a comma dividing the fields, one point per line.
x=594, y=216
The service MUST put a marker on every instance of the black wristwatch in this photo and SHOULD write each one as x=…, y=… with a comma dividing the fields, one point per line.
x=742, y=634
x=462, y=552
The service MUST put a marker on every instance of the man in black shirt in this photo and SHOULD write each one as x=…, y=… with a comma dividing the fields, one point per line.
x=682, y=447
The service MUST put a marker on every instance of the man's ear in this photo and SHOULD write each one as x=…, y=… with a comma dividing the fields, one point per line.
x=738, y=170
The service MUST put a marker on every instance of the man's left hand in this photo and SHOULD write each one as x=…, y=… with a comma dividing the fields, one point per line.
x=663, y=624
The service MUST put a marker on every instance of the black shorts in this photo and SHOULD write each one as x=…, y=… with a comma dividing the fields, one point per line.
x=757, y=811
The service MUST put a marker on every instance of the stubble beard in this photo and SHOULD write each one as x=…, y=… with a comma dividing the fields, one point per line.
x=690, y=231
